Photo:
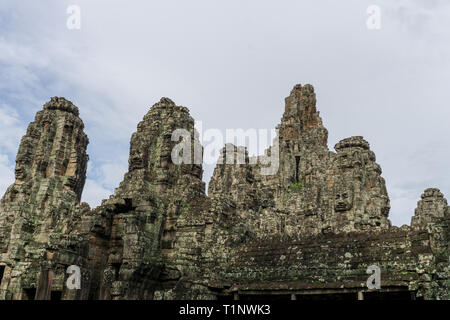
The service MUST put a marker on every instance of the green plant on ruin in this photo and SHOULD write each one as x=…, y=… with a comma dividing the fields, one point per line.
x=296, y=187
x=318, y=282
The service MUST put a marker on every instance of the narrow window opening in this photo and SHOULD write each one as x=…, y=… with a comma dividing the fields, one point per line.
x=297, y=163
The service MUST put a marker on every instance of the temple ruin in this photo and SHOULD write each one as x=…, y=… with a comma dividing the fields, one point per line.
x=308, y=232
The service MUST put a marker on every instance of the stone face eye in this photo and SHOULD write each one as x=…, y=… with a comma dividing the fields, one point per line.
x=338, y=196
x=345, y=196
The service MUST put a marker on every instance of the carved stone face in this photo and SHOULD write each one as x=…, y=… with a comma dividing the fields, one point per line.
x=356, y=159
x=20, y=172
x=70, y=182
x=197, y=171
x=136, y=162
x=343, y=199
x=348, y=158
x=164, y=162
x=344, y=160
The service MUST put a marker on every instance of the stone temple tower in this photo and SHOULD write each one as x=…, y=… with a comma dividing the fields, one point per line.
x=315, y=191
x=42, y=206
x=138, y=224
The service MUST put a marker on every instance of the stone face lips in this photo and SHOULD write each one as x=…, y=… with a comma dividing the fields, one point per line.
x=316, y=223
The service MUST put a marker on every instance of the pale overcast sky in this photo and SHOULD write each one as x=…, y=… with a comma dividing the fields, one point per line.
x=232, y=63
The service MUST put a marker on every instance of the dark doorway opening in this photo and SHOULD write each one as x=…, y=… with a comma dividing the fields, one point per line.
x=29, y=294
x=2, y=272
x=56, y=295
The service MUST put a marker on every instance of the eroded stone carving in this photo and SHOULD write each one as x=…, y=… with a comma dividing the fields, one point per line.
x=343, y=200
x=432, y=206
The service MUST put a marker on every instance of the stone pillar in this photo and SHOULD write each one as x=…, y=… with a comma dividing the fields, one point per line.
x=44, y=286
x=360, y=295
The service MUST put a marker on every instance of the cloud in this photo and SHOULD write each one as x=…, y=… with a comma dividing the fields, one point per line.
x=11, y=130
x=6, y=174
x=93, y=192
x=105, y=177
